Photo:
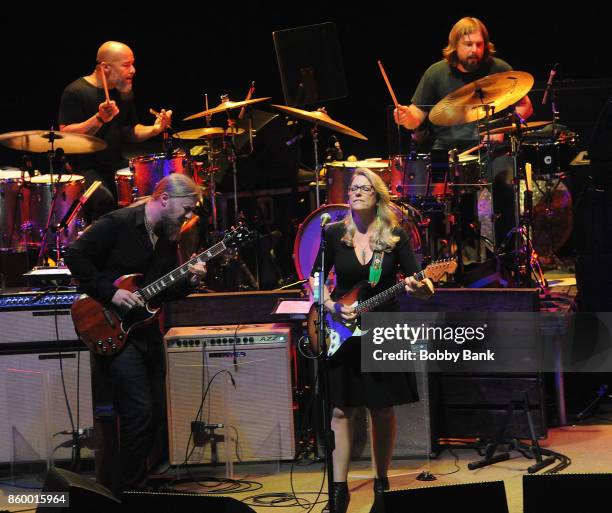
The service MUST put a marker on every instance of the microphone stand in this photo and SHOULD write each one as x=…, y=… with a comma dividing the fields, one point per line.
x=328, y=434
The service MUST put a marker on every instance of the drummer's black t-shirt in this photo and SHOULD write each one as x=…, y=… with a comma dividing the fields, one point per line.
x=80, y=101
x=441, y=79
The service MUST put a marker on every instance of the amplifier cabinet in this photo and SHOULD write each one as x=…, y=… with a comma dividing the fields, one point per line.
x=258, y=408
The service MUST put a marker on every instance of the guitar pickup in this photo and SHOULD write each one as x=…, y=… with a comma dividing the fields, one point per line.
x=109, y=318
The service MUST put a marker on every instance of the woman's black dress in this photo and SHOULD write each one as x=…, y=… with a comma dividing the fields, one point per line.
x=348, y=385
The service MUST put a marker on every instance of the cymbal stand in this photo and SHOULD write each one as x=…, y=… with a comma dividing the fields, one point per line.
x=315, y=144
x=51, y=154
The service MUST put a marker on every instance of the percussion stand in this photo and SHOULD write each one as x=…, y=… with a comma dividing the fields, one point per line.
x=315, y=145
x=51, y=154
x=525, y=255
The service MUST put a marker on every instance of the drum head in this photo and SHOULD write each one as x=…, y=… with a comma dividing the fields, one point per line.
x=308, y=237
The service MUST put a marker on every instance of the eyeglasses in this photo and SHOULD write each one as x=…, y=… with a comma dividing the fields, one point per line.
x=364, y=188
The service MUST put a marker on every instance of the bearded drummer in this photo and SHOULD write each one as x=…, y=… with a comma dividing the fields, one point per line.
x=469, y=56
x=102, y=104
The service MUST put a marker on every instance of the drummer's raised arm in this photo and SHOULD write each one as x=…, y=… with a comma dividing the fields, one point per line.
x=409, y=117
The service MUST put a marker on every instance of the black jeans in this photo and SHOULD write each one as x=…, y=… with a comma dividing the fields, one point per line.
x=136, y=376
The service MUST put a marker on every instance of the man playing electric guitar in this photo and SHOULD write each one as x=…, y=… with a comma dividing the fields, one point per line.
x=142, y=238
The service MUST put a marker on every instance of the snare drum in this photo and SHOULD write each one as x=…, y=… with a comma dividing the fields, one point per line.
x=148, y=170
x=340, y=174
x=14, y=209
x=69, y=189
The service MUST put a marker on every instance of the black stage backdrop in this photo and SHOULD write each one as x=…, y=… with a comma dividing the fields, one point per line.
x=184, y=50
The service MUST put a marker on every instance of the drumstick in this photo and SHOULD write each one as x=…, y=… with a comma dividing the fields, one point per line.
x=528, y=175
x=382, y=70
x=471, y=150
x=248, y=97
x=157, y=115
x=105, y=85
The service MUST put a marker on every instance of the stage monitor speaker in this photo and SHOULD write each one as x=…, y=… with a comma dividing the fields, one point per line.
x=84, y=494
x=168, y=501
x=486, y=497
x=258, y=409
x=561, y=492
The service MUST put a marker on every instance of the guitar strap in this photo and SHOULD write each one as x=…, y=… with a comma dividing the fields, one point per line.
x=376, y=268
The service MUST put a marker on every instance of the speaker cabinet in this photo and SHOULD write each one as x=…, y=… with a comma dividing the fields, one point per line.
x=33, y=407
x=256, y=413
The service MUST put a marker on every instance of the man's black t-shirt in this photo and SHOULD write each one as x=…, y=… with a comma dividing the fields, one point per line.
x=80, y=101
x=441, y=79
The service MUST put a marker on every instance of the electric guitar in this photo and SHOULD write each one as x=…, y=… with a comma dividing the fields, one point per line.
x=105, y=330
x=338, y=330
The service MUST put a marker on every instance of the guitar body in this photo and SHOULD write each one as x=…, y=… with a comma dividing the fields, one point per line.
x=338, y=330
x=105, y=331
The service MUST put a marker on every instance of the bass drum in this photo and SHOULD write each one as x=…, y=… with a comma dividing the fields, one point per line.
x=308, y=236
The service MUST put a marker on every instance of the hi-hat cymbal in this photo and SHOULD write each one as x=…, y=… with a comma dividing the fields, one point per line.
x=322, y=118
x=527, y=127
x=41, y=141
x=467, y=104
x=208, y=132
x=223, y=106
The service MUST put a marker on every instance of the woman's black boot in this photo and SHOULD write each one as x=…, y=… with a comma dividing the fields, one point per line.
x=340, y=497
x=381, y=484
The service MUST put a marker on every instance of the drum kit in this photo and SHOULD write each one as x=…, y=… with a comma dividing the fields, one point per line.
x=31, y=207
x=428, y=199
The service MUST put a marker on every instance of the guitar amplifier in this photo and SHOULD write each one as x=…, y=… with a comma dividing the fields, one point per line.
x=41, y=317
x=256, y=412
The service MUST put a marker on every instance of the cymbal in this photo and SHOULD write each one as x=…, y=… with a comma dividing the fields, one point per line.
x=208, y=132
x=322, y=118
x=466, y=104
x=223, y=106
x=40, y=141
x=528, y=127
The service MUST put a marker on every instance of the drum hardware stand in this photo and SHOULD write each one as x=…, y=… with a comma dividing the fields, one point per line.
x=51, y=155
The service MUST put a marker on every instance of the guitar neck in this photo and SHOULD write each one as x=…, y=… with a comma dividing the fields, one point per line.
x=161, y=284
x=386, y=295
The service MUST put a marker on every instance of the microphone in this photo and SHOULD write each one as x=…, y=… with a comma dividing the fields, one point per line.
x=325, y=219
x=551, y=77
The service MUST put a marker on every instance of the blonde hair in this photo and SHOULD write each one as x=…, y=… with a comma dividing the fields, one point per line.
x=382, y=238
x=176, y=185
x=464, y=27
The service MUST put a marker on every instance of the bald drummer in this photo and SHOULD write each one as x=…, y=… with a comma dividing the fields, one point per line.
x=102, y=104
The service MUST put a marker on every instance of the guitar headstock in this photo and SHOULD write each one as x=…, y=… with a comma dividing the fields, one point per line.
x=437, y=269
x=237, y=235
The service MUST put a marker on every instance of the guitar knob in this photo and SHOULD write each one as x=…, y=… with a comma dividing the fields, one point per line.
x=99, y=343
x=114, y=347
x=120, y=337
x=104, y=349
x=110, y=340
